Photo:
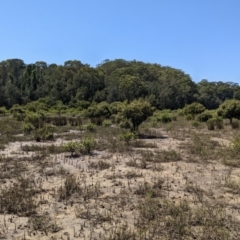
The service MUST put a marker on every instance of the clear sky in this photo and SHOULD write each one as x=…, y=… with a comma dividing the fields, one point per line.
x=201, y=37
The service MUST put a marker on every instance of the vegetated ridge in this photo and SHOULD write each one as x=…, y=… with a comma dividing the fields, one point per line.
x=76, y=84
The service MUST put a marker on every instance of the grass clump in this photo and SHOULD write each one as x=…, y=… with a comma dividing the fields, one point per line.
x=167, y=156
x=70, y=187
x=19, y=198
x=231, y=154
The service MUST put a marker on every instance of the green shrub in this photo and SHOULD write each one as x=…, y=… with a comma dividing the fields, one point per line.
x=35, y=119
x=194, y=109
x=165, y=118
x=44, y=133
x=219, y=122
x=125, y=124
x=216, y=122
x=211, y=124
x=3, y=111
x=98, y=112
x=107, y=123
x=18, y=112
x=73, y=147
x=189, y=117
x=91, y=127
x=27, y=128
x=127, y=137
x=88, y=144
x=204, y=116
x=195, y=123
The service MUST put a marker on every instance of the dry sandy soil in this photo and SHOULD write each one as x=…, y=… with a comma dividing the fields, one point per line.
x=110, y=194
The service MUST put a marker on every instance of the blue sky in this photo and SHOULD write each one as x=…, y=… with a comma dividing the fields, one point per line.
x=201, y=37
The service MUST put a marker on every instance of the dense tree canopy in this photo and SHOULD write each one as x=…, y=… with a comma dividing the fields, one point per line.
x=77, y=84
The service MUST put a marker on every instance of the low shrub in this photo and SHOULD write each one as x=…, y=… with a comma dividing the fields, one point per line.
x=91, y=127
x=107, y=123
x=127, y=137
x=204, y=116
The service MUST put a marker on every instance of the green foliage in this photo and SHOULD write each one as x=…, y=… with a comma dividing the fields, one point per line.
x=125, y=124
x=99, y=112
x=3, y=111
x=44, y=133
x=107, y=123
x=211, y=123
x=138, y=111
x=204, y=116
x=194, y=109
x=91, y=127
x=28, y=127
x=164, y=116
x=55, y=87
x=35, y=119
x=116, y=107
x=131, y=87
x=18, y=112
x=216, y=122
x=212, y=94
x=236, y=146
x=195, y=123
x=73, y=147
x=230, y=109
x=189, y=117
x=127, y=137
x=88, y=144
x=231, y=154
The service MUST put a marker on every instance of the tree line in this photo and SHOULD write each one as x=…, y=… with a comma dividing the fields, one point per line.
x=78, y=85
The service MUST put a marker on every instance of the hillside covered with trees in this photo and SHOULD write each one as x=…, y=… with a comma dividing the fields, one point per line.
x=78, y=85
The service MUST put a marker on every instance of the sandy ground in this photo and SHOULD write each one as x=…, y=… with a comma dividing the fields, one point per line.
x=113, y=201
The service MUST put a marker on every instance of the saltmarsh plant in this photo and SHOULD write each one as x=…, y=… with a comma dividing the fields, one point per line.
x=70, y=187
x=19, y=198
